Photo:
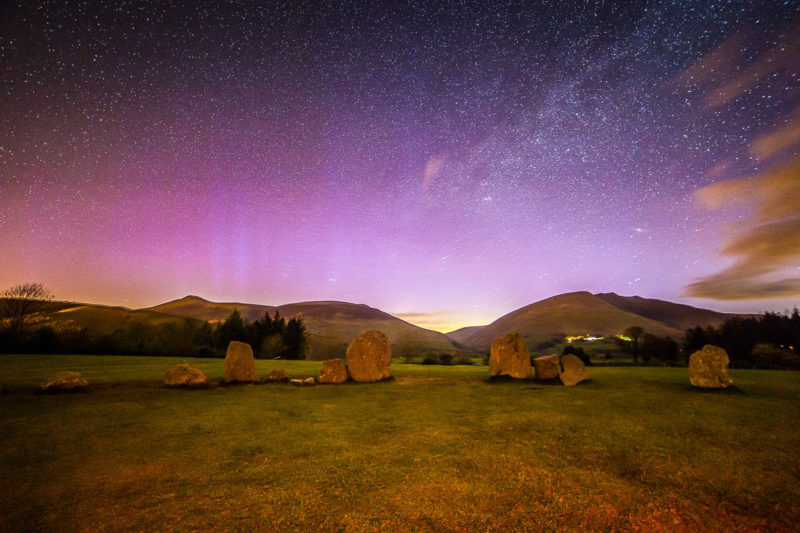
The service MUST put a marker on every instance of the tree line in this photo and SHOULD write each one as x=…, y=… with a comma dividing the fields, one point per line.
x=23, y=305
x=769, y=341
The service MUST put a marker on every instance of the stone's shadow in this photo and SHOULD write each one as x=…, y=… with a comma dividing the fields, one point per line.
x=505, y=378
x=688, y=387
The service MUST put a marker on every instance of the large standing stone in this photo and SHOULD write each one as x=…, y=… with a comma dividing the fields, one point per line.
x=333, y=371
x=278, y=375
x=547, y=366
x=573, y=370
x=369, y=356
x=239, y=363
x=64, y=381
x=185, y=375
x=708, y=368
x=509, y=356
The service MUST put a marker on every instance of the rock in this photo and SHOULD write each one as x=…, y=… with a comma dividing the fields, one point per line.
x=64, y=381
x=298, y=382
x=185, y=375
x=509, y=356
x=573, y=370
x=333, y=371
x=369, y=356
x=708, y=368
x=239, y=363
x=309, y=381
x=278, y=375
x=547, y=367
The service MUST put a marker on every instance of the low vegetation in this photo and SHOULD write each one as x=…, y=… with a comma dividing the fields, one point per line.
x=437, y=449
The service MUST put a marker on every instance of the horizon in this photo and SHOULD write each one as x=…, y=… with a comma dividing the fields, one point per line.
x=445, y=165
x=423, y=321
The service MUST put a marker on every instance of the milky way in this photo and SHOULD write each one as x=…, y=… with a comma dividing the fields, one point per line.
x=454, y=161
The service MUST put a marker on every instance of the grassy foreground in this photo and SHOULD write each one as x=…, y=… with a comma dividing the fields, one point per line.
x=438, y=449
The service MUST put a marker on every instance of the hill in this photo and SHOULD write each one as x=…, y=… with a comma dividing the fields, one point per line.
x=461, y=334
x=331, y=325
x=576, y=313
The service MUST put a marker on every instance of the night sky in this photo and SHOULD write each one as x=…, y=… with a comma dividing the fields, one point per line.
x=446, y=162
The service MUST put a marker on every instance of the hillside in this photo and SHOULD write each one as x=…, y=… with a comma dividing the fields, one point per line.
x=331, y=325
x=577, y=313
x=102, y=319
x=678, y=316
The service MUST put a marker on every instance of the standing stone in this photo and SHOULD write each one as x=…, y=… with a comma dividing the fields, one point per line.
x=333, y=371
x=509, y=356
x=185, y=375
x=547, y=367
x=64, y=381
x=278, y=375
x=573, y=370
x=239, y=363
x=369, y=356
x=708, y=368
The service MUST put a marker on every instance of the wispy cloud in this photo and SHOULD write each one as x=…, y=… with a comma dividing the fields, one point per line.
x=768, y=250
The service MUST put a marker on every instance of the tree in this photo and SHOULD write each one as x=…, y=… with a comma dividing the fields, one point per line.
x=295, y=339
x=634, y=333
x=18, y=305
x=233, y=329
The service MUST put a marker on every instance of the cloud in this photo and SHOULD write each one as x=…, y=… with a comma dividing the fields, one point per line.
x=768, y=248
x=737, y=66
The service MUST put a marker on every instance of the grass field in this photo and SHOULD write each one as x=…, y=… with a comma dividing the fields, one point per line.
x=437, y=449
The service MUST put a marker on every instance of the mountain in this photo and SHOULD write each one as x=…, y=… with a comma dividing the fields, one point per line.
x=331, y=325
x=678, y=316
x=576, y=313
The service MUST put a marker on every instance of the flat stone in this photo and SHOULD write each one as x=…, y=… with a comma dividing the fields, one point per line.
x=64, y=381
x=239, y=363
x=573, y=370
x=509, y=357
x=185, y=375
x=333, y=371
x=369, y=356
x=547, y=366
x=708, y=368
x=297, y=382
x=309, y=381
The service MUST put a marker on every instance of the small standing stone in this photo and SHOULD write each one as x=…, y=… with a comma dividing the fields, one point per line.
x=333, y=371
x=64, y=381
x=708, y=368
x=185, y=375
x=509, y=356
x=369, y=356
x=278, y=375
x=574, y=371
x=547, y=366
x=239, y=363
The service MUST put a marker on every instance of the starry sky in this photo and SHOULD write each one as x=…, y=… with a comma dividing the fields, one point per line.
x=445, y=162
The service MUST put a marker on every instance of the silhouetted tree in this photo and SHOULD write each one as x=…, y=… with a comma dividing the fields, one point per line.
x=634, y=333
x=233, y=329
x=17, y=307
x=295, y=339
